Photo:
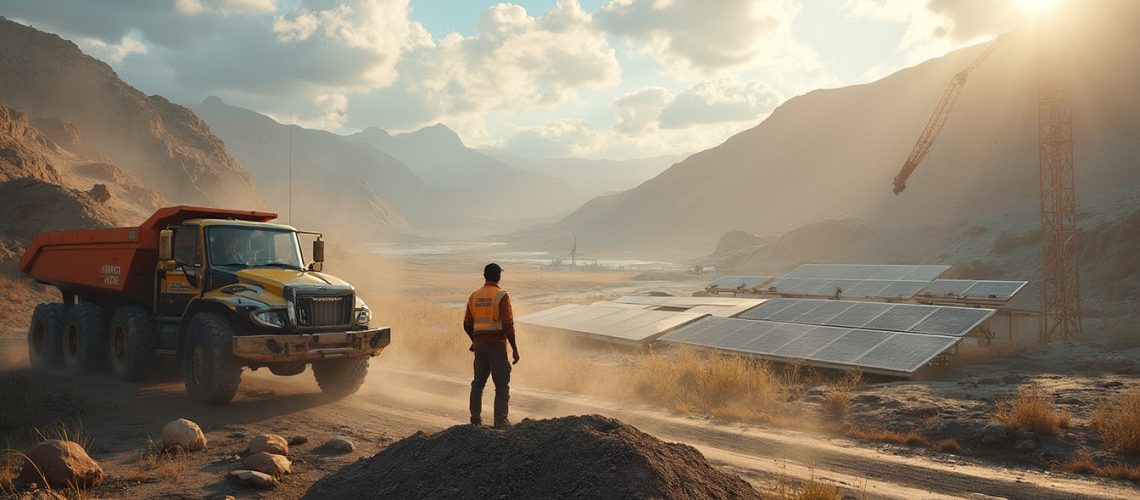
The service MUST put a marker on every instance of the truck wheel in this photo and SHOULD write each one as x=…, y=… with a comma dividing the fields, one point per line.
x=209, y=369
x=45, y=336
x=84, y=338
x=131, y=343
x=341, y=377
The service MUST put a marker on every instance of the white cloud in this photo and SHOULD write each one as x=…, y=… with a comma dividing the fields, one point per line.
x=936, y=27
x=111, y=52
x=719, y=101
x=694, y=34
x=639, y=111
x=224, y=7
x=557, y=139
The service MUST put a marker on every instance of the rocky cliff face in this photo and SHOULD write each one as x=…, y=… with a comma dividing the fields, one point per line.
x=162, y=143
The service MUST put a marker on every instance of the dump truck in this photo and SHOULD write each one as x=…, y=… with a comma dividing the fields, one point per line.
x=215, y=290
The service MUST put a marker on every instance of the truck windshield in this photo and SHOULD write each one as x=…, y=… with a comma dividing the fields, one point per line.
x=253, y=247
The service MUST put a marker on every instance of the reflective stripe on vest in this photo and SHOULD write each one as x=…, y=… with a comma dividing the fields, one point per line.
x=484, y=304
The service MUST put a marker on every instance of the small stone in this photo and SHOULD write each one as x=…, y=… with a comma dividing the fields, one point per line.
x=1025, y=445
x=296, y=440
x=269, y=463
x=61, y=464
x=339, y=443
x=252, y=478
x=994, y=432
x=183, y=434
x=269, y=443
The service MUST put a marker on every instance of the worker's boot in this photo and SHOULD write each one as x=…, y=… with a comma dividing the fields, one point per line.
x=502, y=424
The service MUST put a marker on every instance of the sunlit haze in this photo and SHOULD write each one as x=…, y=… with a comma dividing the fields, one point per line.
x=538, y=78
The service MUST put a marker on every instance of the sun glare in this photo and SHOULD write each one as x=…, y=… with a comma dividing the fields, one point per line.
x=1034, y=7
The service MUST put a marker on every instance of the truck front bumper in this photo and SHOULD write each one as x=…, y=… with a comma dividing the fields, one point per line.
x=303, y=347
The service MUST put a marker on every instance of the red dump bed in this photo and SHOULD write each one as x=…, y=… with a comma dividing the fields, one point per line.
x=113, y=261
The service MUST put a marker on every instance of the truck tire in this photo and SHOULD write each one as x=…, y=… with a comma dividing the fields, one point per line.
x=341, y=377
x=209, y=369
x=131, y=344
x=84, y=338
x=45, y=336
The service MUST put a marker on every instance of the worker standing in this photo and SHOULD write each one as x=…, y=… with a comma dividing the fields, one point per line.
x=490, y=323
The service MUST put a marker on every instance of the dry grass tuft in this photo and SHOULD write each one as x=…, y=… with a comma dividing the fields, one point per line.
x=1032, y=411
x=811, y=489
x=909, y=438
x=948, y=445
x=1085, y=465
x=839, y=397
x=152, y=461
x=686, y=379
x=1119, y=422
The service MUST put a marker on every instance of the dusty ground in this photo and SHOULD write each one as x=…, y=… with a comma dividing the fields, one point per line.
x=405, y=394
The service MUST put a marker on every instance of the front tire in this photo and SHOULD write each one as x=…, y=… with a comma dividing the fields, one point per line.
x=84, y=339
x=209, y=369
x=341, y=377
x=131, y=346
x=45, y=336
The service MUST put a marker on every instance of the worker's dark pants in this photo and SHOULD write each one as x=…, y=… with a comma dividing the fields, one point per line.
x=498, y=367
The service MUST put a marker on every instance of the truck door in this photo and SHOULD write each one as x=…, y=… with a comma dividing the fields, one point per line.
x=179, y=285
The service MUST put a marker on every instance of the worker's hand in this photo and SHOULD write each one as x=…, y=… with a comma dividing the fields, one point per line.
x=515, y=354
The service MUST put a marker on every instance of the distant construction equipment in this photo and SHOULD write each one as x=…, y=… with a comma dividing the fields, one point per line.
x=1061, y=292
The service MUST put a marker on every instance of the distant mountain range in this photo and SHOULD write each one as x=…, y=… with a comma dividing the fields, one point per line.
x=831, y=154
x=591, y=177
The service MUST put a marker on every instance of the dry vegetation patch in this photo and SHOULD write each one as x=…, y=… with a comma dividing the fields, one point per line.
x=1085, y=465
x=908, y=438
x=1032, y=411
x=1119, y=422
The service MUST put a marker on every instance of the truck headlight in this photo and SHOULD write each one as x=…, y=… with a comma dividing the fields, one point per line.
x=269, y=317
x=363, y=316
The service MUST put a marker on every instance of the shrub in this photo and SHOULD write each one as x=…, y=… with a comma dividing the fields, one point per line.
x=1119, y=422
x=1031, y=411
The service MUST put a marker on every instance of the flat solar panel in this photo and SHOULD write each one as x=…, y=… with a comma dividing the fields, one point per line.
x=952, y=321
x=810, y=342
x=851, y=346
x=643, y=329
x=973, y=289
x=867, y=288
x=619, y=315
x=693, y=330
x=861, y=314
x=795, y=310
x=900, y=318
x=767, y=309
x=779, y=336
x=538, y=315
x=903, y=288
x=906, y=352
x=554, y=316
x=825, y=312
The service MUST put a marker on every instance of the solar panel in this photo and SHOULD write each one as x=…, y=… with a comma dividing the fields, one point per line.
x=821, y=287
x=900, y=318
x=906, y=352
x=804, y=345
x=795, y=310
x=974, y=289
x=767, y=309
x=953, y=321
x=868, y=288
x=532, y=317
x=866, y=272
x=851, y=346
x=825, y=312
x=859, y=315
x=693, y=329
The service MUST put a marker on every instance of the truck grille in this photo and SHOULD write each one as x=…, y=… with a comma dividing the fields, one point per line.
x=324, y=310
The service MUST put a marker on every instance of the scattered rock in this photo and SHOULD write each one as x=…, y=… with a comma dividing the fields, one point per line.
x=269, y=443
x=183, y=434
x=867, y=399
x=569, y=457
x=296, y=440
x=1025, y=445
x=1111, y=384
x=994, y=432
x=100, y=193
x=269, y=463
x=339, y=443
x=60, y=463
x=252, y=478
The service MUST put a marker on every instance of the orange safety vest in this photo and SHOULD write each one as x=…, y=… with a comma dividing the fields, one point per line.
x=484, y=306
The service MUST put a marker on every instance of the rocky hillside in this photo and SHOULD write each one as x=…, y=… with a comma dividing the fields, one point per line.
x=161, y=143
x=831, y=154
x=439, y=157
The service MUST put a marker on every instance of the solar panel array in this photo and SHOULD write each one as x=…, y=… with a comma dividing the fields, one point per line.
x=895, y=353
x=909, y=318
x=973, y=289
x=822, y=287
x=738, y=283
x=609, y=322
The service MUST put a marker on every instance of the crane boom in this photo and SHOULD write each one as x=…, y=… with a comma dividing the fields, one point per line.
x=934, y=126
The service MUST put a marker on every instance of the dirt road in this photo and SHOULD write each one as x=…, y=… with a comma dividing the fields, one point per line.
x=117, y=417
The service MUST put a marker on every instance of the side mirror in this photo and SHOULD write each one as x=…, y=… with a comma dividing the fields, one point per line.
x=165, y=248
x=318, y=251
x=191, y=275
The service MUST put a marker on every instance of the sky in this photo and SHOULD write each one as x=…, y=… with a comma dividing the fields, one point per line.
x=612, y=79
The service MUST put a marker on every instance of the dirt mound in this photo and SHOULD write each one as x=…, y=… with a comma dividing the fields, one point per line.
x=569, y=457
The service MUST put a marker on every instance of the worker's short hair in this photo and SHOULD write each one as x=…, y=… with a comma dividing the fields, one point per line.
x=492, y=272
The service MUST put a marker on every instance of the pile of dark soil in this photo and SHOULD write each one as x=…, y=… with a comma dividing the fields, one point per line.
x=569, y=457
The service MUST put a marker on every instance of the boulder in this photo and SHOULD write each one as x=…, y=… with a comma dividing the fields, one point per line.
x=339, y=443
x=269, y=463
x=296, y=440
x=269, y=443
x=183, y=434
x=994, y=432
x=252, y=478
x=61, y=464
